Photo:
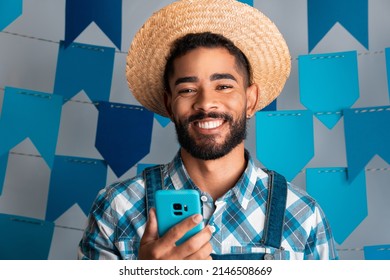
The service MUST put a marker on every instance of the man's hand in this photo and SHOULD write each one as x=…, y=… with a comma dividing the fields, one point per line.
x=197, y=247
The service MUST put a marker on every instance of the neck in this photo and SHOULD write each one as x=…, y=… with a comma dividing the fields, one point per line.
x=218, y=176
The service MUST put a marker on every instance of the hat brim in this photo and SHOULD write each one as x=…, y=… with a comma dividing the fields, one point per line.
x=249, y=29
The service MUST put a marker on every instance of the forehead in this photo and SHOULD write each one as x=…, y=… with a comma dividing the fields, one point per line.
x=212, y=60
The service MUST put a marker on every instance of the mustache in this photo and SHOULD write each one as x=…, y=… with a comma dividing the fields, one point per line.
x=213, y=115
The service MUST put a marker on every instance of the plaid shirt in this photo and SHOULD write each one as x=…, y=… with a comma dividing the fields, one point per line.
x=117, y=220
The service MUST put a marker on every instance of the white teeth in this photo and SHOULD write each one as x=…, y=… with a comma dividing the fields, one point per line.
x=209, y=124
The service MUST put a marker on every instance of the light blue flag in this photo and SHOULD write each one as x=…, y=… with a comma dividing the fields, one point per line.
x=387, y=51
x=163, y=121
x=328, y=84
x=124, y=135
x=10, y=10
x=24, y=238
x=141, y=167
x=378, y=252
x=84, y=67
x=324, y=14
x=367, y=134
x=3, y=170
x=107, y=14
x=284, y=140
x=74, y=180
x=344, y=203
x=31, y=114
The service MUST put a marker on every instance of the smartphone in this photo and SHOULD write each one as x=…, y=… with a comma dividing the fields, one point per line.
x=173, y=206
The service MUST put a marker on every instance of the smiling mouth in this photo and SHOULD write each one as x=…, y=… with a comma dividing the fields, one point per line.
x=208, y=124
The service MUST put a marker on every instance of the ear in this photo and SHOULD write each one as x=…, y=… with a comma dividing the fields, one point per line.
x=252, y=98
x=167, y=104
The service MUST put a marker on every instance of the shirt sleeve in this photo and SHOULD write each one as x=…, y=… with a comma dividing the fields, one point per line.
x=320, y=244
x=97, y=242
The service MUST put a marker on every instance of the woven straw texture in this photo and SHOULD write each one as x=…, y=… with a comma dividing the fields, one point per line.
x=249, y=29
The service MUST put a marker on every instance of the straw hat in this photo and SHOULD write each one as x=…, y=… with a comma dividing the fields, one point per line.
x=249, y=29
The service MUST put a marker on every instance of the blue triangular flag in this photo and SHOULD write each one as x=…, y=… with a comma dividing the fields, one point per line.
x=88, y=177
x=107, y=14
x=367, y=134
x=330, y=187
x=328, y=83
x=249, y=2
x=84, y=67
x=9, y=11
x=3, y=170
x=377, y=252
x=24, y=238
x=31, y=114
x=284, y=140
x=124, y=134
x=323, y=14
x=163, y=121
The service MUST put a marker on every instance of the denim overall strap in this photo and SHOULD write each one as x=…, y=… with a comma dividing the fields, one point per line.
x=275, y=209
x=274, y=220
x=153, y=182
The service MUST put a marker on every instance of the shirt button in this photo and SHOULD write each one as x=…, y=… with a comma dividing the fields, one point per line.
x=203, y=198
x=268, y=257
x=212, y=228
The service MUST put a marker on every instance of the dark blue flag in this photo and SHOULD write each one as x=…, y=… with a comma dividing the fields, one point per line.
x=324, y=14
x=107, y=14
x=124, y=134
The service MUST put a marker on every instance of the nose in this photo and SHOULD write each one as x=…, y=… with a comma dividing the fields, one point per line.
x=205, y=101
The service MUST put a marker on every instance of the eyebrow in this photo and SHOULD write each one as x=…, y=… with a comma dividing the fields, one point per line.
x=213, y=77
x=191, y=79
x=220, y=76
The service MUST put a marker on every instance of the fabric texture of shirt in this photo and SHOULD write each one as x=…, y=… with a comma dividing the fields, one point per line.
x=118, y=217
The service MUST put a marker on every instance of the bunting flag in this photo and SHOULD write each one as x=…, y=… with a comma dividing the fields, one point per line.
x=324, y=14
x=124, y=135
x=3, y=170
x=141, y=167
x=84, y=67
x=30, y=114
x=271, y=106
x=367, y=134
x=10, y=10
x=378, y=252
x=88, y=176
x=284, y=140
x=249, y=2
x=387, y=51
x=24, y=238
x=163, y=121
x=332, y=190
x=328, y=84
x=107, y=14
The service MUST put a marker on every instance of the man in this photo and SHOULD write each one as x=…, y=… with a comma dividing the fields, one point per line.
x=209, y=65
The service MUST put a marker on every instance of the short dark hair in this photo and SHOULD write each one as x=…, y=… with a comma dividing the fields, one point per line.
x=193, y=41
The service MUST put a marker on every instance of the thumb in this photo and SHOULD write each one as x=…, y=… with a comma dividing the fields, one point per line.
x=151, y=233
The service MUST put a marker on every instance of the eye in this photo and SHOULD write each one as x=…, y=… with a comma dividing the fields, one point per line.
x=224, y=87
x=186, y=91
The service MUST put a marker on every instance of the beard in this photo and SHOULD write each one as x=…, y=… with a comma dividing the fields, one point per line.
x=207, y=147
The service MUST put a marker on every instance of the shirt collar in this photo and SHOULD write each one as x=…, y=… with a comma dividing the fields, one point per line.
x=242, y=190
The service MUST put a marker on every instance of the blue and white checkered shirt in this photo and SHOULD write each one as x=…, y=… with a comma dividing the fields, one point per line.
x=117, y=220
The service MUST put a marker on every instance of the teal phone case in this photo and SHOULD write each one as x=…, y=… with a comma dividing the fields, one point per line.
x=173, y=206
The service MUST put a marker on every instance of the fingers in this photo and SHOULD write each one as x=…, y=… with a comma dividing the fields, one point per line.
x=197, y=247
x=179, y=230
x=151, y=232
